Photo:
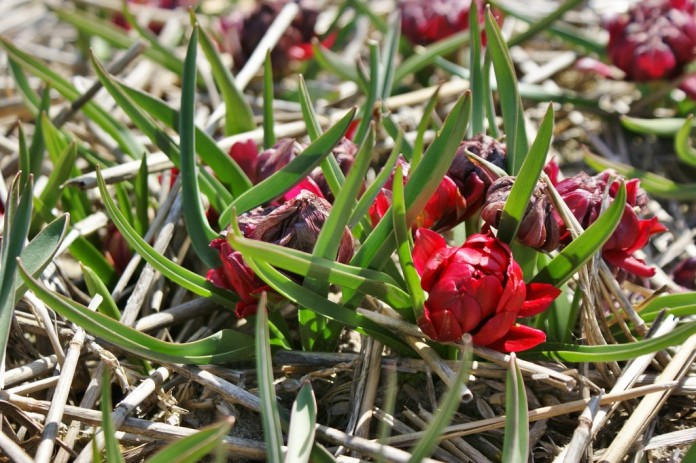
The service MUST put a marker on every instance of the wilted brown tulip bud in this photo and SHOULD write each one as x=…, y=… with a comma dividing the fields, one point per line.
x=539, y=228
x=294, y=224
x=473, y=180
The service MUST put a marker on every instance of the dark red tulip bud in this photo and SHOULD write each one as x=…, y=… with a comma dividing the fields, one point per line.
x=584, y=196
x=344, y=152
x=473, y=180
x=116, y=248
x=685, y=273
x=479, y=289
x=538, y=229
x=655, y=39
x=294, y=224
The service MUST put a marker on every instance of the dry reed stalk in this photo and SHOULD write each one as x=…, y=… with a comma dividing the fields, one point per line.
x=582, y=436
x=471, y=452
x=30, y=370
x=40, y=311
x=13, y=451
x=630, y=375
x=44, y=451
x=536, y=414
x=650, y=405
x=538, y=372
x=124, y=409
x=368, y=447
x=148, y=429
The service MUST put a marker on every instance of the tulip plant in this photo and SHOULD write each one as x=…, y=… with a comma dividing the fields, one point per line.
x=459, y=237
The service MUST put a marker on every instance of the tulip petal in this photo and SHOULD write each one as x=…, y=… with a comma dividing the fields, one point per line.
x=539, y=297
x=494, y=328
x=627, y=262
x=246, y=155
x=306, y=184
x=519, y=338
x=426, y=244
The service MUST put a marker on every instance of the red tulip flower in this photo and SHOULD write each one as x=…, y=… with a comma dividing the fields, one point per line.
x=479, y=289
x=444, y=209
x=584, y=196
x=655, y=39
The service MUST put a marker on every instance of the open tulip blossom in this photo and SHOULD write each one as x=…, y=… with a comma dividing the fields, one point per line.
x=477, y=288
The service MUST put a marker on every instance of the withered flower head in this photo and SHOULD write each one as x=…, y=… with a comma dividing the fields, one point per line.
x=539, y=228
x=473, y=180
x=584, y=195
x=294, y=224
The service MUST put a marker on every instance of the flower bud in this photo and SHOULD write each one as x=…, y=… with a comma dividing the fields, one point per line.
x=538, y=229
x=259, y=167
x=685, y=273
x=584, y=196
x=344, y=152
x=479, y=289
x=655, y=39
x=473, y=180
x=116, y=248
x=294, y=224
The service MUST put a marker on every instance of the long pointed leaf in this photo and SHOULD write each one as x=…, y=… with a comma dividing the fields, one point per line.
x=516, y=443
x=124, y=137
x=238, y=114
x=194, y=215
x=526, y=180
x=272, y=432
x=184, y=277
x=510, y=102
x=192, y=449
x=302, y=428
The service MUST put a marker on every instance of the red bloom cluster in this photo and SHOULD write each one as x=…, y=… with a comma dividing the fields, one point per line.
x=460, y=194
x=294, y=224
x=477, y=288
x=584, y=195
x=425, y=22
x=655, y=39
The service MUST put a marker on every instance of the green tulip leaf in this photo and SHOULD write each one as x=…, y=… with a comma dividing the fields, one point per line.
x=682, y=144
x=516, y=442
